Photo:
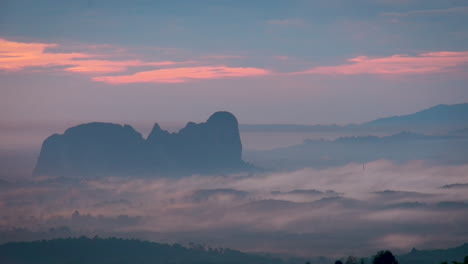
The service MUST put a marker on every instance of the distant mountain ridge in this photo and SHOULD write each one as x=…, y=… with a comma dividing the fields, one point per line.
x=437, y=115
x=450, y=148
x=95, y=149
x=435, y=256
x=439, y=118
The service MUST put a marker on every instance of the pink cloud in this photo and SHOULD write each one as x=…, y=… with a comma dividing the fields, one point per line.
x=16, y=56
x=180, y=75
x=104, y=66
x=424, y=63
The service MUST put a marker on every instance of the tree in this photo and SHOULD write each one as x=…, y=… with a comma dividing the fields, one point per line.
x=384, y=257
x=465, y=261
x=352, y=260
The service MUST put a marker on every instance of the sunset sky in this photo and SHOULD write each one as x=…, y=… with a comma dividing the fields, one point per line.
x=309, y=62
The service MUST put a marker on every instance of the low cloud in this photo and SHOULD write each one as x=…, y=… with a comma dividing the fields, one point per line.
x=319, y=211
x=218, y=195
x=424, y=63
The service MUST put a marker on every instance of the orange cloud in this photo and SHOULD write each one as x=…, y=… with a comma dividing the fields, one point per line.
x=425, y=63
x=18, y=56
x=180, y=75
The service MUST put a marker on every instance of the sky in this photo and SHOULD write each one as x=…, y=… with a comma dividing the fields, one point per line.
x=297, y=62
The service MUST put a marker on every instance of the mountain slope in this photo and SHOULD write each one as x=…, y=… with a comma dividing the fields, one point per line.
x=440, y=118
x=401, y=147
x=435, y=256
x=112, y=250
x=448, y=115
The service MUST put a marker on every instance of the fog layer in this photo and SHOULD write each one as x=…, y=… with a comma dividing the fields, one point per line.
x=353, y=209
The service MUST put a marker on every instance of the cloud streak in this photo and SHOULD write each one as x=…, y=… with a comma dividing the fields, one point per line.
x=180, y=75
x=18, y=55
x=424, y=63
x=15, y=56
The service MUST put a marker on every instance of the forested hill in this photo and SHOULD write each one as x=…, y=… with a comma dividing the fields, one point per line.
x=123, y=251
x=435, y=256
x=85, y=250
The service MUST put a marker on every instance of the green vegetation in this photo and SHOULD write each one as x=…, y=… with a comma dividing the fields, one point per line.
x=119, y=251
x=85, y=250
x=384, y=257
x=465, y=261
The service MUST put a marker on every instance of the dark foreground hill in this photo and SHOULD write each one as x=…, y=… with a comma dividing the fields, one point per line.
x=112, y=250
x=130, y=251
x=95, y=149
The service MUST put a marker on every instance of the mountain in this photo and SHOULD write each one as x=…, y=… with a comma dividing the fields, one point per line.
x=113, y=250
x=199, y=147
x=437, y=119
x=401, y=147
x=435, y=256
x=95, y=149
x=453, y=116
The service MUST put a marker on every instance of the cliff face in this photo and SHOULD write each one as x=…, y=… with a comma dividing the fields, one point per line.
x=108, y=149
x=199, y=147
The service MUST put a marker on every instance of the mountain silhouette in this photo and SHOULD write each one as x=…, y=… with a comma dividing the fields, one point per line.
x=448, y=116
x=446, y=149
x=434, y=256
x=437, y=119
x=95, y=149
